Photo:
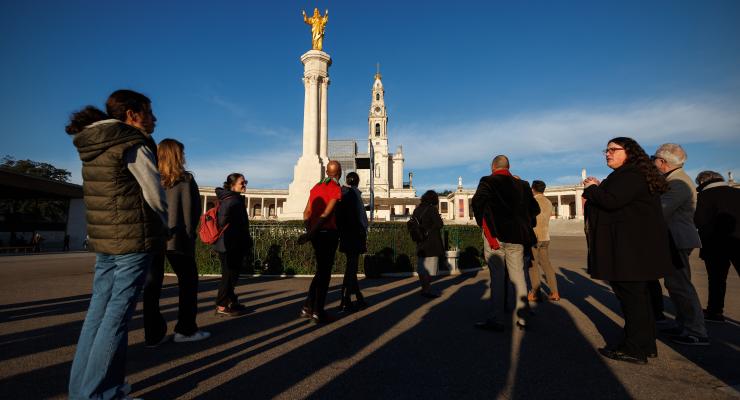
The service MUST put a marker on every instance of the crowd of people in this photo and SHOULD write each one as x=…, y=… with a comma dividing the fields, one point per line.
x=143, y=207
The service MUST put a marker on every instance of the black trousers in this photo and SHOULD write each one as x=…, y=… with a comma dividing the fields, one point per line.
x=639, y=321
x=231, y=264
x=717, y=261
x=656, y=298
x=349, y=283
x=325, y=247
x=155, y=326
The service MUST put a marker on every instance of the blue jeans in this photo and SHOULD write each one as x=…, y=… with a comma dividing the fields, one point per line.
x=98, y=369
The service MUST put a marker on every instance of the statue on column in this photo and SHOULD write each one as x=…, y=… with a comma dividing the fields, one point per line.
x=318, y=24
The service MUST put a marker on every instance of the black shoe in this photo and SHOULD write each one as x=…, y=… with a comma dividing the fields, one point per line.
x=521, y=324
x=346, y=307
x=430, y=295
x=622, y=356
x=323, y=318
x=489, y=325
x=227, y=311
x=691, y=340
x=305, y=313
x=652, y=354
x=713, y=317
x=360, y=303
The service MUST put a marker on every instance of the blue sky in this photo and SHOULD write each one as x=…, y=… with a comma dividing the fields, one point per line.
x=547, y=83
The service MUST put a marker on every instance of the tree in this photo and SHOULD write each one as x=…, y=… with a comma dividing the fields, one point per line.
x=35, y=168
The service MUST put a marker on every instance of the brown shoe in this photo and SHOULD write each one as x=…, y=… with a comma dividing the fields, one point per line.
x=554, y=296
x=531, y=297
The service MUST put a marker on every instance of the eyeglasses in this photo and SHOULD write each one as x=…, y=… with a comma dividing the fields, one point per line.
x=611, y=150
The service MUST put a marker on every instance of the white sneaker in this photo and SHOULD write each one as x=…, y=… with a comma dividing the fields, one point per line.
x=199, y=335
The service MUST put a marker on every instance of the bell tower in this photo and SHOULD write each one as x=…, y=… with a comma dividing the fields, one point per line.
x=378, y=118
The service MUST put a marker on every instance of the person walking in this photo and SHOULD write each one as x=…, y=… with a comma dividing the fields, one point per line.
x=716, y=218
x=430, y=249
x=541, y=250
x=352, y=224
x=504, y=207
x=234, y=244
x=126, y=223
x=321, y=229
x=679, y=204
x=184, y=209
x=628, y=243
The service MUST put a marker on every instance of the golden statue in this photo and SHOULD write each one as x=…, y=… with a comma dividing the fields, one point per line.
x=318, y=24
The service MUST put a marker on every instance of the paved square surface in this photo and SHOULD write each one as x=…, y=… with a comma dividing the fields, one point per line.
x=402, y=346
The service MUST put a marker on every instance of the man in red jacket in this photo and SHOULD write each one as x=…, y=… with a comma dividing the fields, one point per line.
x=321, y=227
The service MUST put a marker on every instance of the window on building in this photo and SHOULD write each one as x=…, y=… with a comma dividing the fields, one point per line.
x=377, y=170
x=257, y=210
x=377, y=129
x=377, y=96
x=461, y=209
x=443, y=207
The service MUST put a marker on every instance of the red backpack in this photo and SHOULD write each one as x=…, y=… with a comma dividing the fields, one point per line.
x=208, y=231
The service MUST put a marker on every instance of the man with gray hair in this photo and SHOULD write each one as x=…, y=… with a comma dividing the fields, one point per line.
x=717, y=216
x=679, y=204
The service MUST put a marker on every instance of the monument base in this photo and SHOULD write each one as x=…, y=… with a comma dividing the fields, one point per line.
x=308, y=171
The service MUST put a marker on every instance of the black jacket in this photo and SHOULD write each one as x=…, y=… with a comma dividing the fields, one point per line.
x=233, y=211
x=429, y=219
x=628, y=237
x=352, y=234
x=508, y=207
x=184, y=210
x=717, y=216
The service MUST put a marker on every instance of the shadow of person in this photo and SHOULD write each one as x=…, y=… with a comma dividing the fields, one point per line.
x=338, y=342
x=273, y=263
x=555, y=359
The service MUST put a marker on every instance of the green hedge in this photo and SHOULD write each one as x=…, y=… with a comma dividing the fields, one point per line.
x=390, y=249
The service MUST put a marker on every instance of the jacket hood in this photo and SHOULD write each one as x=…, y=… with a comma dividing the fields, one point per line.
x=222, y=193
x=96, y=138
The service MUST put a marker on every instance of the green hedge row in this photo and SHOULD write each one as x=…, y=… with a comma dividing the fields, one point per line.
x=390, y=249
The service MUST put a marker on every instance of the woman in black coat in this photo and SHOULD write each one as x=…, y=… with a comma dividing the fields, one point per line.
x=234, y=243
x=431, y=250
x=352, y=223
x=628, y=241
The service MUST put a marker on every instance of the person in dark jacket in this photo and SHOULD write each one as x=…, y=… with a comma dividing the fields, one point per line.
x=184, y=209
x=234, y=244
x=505, y=209
x=430, y=250
x=352, y=224
x=126, y=214
x=717, y=218
x=628, y=243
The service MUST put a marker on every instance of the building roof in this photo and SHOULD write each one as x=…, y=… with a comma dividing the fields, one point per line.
x=23, y=186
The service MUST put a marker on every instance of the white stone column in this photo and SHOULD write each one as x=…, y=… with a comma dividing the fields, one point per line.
x=579, y=204
x=324, y=123
x=310, y=166
x=560, y=208
x=249, y=209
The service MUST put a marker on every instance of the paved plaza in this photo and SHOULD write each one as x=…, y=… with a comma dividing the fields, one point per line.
x=403, y=346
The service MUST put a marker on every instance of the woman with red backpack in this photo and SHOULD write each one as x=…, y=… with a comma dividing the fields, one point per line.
x=233, y=244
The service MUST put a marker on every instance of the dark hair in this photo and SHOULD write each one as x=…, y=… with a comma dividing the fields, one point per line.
x=352, y=179
x=80, y=119
x=430, y=197
x=538, y=186
x=231, y=180
x=500, y=162
x=116, y=106
x=636, y=156
x=123, y=100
